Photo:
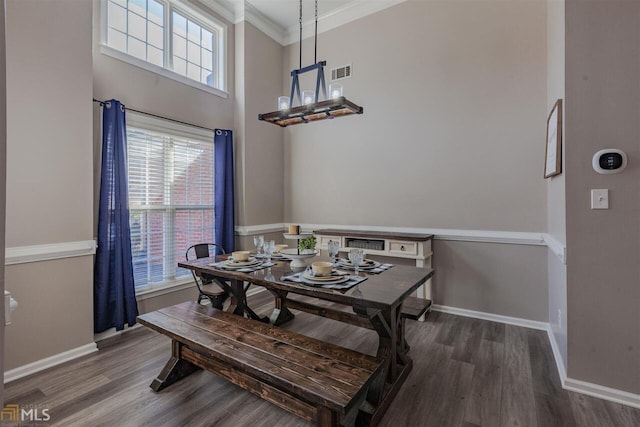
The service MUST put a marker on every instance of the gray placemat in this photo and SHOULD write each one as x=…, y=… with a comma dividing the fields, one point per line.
x=353, y=280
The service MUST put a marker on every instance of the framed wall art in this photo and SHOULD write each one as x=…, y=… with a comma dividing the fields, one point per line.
x=553, y=152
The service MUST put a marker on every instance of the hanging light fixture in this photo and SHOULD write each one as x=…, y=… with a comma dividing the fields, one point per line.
x=311, y=105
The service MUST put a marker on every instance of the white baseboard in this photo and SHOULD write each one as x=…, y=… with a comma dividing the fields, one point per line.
x=602, y=392
x=516, y=321
x=48, y=362
x=112, y=332
x=562, y=372
x=590, y=389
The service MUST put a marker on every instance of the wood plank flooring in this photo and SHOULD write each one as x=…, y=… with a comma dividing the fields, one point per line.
x=467, y=373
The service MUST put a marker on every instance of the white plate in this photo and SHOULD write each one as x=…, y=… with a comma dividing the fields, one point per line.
x=328, y=278
x=249, y=262
x=238, y=267
x=308, y=281
x=349, y=265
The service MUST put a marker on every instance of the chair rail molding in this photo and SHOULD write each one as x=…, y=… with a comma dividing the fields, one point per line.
x=557, y=247
x=248, y=230
x=450, y=234
x=34, y=253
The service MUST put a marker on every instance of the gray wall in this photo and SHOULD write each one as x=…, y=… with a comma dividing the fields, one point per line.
x=454, y=105
x=451, y=137
x=261, y=159
x=556, y=205
x=264, y=159
x=49, y=174
x=603, y=105
x=3, y=167
x=509, y=280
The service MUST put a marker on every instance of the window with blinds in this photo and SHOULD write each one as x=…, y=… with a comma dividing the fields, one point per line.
x=171, y=200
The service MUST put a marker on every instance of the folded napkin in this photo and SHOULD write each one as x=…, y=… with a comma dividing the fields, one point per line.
x=377, y=270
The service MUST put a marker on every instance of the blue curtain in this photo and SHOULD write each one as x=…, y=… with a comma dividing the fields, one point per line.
x=114, y=297
x=224, y=200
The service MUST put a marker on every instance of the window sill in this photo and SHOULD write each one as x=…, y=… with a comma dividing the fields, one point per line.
x=165, y=288
x=121, y=56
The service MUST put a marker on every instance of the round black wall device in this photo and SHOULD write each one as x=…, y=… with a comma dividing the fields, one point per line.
x=609, y=160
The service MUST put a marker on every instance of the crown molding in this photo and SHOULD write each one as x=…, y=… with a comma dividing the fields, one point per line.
x=237, y=11
x=350, y=11
x=247, y=12
x=224, y=8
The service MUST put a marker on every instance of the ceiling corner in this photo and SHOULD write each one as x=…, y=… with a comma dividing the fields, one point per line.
x=350, y=11
x=262, y=22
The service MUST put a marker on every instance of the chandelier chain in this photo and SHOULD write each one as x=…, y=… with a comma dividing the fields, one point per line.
x=300, y=44
x=315, y=48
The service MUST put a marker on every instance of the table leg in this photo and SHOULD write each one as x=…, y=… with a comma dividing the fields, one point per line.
x=239, y=304
x=281, y=314
x=396, y=364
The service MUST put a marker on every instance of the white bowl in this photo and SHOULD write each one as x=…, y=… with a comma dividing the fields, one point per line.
x=321, y=268
x=240, y=255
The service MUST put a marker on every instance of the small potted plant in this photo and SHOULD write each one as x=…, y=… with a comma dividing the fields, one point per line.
x=307, y=245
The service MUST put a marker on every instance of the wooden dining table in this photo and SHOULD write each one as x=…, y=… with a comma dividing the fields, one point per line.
x=376, y=303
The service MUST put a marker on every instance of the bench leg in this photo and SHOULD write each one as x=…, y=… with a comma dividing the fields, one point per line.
x=175, y=369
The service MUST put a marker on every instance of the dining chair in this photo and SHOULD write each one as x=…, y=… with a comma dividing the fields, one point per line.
x=209, y=287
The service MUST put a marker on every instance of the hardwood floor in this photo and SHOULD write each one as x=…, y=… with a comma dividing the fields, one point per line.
x=467, y=373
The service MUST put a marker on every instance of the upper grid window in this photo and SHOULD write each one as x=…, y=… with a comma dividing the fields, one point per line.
x=167, y=34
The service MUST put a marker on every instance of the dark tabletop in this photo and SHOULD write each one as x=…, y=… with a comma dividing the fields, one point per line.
x=385, y=290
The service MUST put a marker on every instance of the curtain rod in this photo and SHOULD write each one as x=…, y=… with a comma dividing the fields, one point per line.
x=157, y=116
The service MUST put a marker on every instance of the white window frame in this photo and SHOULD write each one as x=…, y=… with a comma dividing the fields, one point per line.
x=163, y=126
x=205, y=21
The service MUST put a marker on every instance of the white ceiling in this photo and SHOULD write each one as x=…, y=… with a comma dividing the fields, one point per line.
x=279, y=19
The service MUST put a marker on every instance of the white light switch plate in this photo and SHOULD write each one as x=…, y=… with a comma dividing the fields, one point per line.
x=600, y=199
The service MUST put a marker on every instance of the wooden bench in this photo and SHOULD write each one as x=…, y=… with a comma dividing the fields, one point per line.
x=316, y=380
x=413, y=308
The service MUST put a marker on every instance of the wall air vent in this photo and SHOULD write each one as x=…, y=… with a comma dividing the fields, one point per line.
x=341, y=72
